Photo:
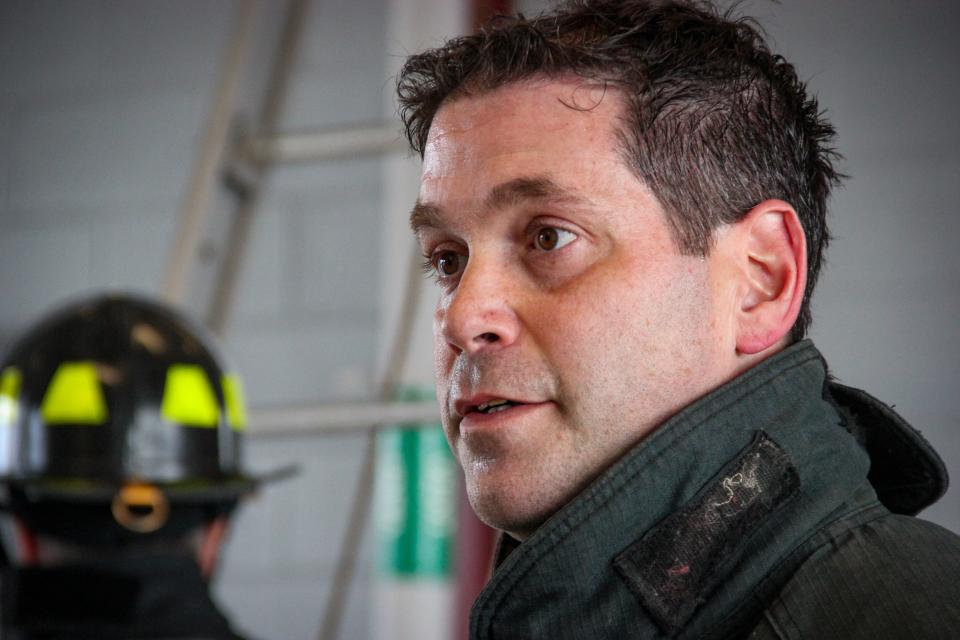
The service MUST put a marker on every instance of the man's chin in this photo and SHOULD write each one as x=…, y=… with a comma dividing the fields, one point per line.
x=517, y=514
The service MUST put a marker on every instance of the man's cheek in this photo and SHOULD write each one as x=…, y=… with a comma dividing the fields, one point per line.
x=441, y=362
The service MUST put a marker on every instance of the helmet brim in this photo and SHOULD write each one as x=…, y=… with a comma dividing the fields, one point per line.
x=83, y=490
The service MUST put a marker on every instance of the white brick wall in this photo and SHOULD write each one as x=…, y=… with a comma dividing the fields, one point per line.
x=102, y=107
x=886, y=307
x=285, y=541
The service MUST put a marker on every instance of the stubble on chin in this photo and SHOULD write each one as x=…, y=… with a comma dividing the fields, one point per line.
x=519, y=489
x=501, y=469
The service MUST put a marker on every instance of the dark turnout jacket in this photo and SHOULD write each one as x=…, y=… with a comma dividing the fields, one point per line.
x=777, y=507
x=156, y=596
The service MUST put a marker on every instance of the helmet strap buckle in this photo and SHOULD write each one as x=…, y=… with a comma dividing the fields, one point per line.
x=140, y=507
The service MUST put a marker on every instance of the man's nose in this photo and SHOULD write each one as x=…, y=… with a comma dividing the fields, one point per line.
x=480, y=313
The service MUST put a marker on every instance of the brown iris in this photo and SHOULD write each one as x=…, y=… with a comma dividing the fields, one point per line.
x=448, y=263
x=547, y=238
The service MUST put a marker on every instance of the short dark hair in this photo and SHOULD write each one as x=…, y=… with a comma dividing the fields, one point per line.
x=714, y=122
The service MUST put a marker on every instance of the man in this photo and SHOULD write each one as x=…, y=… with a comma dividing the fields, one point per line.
x=120, y=435
x=623, y=205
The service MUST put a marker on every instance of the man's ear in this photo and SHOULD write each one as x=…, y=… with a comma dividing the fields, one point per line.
x=211, y=540
x=772, y=258
x=27, y=542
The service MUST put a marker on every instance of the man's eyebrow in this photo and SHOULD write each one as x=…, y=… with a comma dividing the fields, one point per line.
x=424, y=215
x=529, y=188
x=505, y=194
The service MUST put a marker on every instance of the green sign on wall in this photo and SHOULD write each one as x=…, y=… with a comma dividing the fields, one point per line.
x=415, y=504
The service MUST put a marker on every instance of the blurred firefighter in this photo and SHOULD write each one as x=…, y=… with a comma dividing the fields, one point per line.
x=120, y=437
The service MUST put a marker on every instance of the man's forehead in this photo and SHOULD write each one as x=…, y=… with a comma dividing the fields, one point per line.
x=521, y=142
x=567, y=96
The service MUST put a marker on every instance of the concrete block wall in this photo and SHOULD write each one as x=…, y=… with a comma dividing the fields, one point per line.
x=275, y=577
x=102, y=110
x=886, y=307
x=98, y=123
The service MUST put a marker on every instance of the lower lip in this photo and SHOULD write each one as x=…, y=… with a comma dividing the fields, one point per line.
x=476, y=421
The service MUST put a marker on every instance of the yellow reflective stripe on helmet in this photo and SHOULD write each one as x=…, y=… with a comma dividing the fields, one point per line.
x=236, y=406
x=74, y=396
x=10, y=382
x=188, y=398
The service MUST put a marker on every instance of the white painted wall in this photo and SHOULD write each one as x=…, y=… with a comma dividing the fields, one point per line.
x=886, y=308
x=101, y=110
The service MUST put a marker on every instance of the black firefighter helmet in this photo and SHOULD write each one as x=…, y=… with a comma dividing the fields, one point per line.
x=116, y=410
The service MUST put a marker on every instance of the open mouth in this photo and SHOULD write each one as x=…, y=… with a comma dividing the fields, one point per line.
x=493, y=406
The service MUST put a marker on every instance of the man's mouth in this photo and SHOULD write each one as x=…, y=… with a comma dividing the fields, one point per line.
x=484, y=405
x=493, y=406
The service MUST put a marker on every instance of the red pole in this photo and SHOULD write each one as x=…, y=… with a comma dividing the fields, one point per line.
x=483, y=10
x=474, y=552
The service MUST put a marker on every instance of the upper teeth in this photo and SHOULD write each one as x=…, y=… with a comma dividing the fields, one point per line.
x=491, y=404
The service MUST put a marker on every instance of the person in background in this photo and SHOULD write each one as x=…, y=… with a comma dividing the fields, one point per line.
x=120, y=460
x=623, y=204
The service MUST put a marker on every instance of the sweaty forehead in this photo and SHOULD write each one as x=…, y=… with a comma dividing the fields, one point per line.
x=553, y=143
x=531, y=115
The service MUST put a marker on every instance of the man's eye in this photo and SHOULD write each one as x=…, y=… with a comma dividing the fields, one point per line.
x=447, y=263
x=552, y=238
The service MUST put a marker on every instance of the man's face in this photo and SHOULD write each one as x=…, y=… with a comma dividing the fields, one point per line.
x=561, y=292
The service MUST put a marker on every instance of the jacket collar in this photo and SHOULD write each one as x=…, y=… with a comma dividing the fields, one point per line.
x=124, y=595
x=905, y=471
x=629, y=547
